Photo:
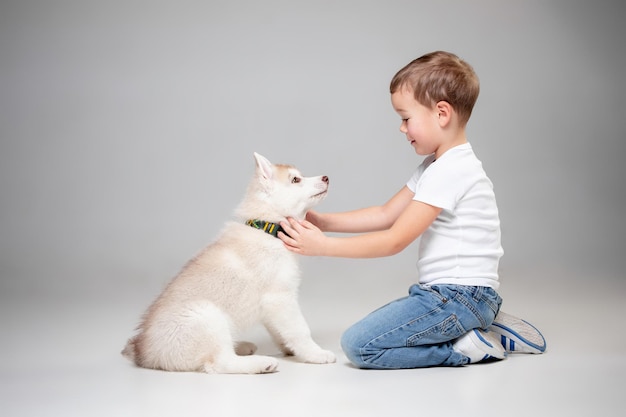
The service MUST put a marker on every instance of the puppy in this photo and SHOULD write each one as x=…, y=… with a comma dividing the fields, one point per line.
x=244, y=277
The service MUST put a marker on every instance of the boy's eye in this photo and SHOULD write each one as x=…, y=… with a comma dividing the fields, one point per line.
x=295, y=180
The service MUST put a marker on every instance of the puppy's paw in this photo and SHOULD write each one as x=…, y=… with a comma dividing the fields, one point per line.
x=319, y=356
x=253, y=364
x=270, y=366
x=257, y=364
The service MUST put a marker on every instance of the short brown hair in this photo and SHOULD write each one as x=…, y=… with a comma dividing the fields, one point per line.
x=440, y=76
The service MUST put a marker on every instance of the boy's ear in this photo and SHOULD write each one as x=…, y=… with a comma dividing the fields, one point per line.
x=444, y=112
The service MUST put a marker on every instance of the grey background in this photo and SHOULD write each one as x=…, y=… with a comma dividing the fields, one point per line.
x=127, y=128
x=126, y=137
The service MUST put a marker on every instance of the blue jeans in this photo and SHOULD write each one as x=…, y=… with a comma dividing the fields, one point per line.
x=417, y=331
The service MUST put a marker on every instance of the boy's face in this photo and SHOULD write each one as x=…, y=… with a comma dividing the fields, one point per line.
x=419, y=123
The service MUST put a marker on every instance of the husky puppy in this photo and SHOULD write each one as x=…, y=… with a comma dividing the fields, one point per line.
x=244, y=277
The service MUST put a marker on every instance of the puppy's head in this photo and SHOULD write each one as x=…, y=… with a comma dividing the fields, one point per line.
x=286, y=190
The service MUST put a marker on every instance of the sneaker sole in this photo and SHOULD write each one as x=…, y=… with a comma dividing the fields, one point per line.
x=520, y=332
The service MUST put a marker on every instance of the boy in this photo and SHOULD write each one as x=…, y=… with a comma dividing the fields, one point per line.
x=450, y=318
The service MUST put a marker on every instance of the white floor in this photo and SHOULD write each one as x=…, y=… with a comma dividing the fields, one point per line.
x=61, y=358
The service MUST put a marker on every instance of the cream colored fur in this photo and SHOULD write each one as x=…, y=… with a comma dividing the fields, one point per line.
x=245, y=277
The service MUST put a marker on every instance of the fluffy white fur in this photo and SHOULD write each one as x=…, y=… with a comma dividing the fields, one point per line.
x=246, y=276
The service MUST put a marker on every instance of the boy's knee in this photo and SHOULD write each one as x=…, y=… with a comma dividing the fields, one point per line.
x=351, y=347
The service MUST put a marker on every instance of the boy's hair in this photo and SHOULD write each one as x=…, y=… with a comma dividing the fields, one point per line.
x=440, y=76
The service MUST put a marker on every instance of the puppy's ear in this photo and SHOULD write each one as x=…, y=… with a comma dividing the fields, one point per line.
x=264, y=166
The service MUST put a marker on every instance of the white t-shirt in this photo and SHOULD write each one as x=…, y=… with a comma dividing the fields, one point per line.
x=462, y=246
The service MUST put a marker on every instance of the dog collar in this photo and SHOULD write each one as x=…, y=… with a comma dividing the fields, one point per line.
x=267, y=227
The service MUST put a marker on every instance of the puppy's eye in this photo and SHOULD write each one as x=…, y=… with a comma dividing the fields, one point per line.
x=295, y=180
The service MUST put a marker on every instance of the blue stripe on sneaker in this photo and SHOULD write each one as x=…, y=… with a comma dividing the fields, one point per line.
x=507, y=343
x=482, y=339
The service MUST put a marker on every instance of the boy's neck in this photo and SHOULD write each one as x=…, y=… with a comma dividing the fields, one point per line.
x=458, y=138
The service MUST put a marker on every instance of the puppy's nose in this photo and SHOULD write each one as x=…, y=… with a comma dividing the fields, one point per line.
x=325, y=179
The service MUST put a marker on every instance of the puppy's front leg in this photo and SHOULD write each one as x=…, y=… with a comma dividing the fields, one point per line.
x=284, y=320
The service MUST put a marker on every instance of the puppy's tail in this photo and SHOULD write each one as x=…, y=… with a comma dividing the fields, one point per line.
x=130, y=350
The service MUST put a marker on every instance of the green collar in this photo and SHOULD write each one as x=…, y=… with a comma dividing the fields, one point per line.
x=267, y=227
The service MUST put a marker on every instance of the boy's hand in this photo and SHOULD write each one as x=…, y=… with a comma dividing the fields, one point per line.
x=303, y=237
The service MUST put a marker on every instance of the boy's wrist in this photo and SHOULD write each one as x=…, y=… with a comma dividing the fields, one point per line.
x=318, y=220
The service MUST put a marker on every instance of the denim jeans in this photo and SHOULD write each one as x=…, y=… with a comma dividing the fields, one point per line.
x=417, y=331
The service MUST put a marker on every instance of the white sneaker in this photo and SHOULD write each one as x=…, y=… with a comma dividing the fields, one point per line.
x=479, y=345
x=517, y=335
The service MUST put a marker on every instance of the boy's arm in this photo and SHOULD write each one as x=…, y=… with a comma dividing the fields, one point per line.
x=366, y=219
x=306, y=239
